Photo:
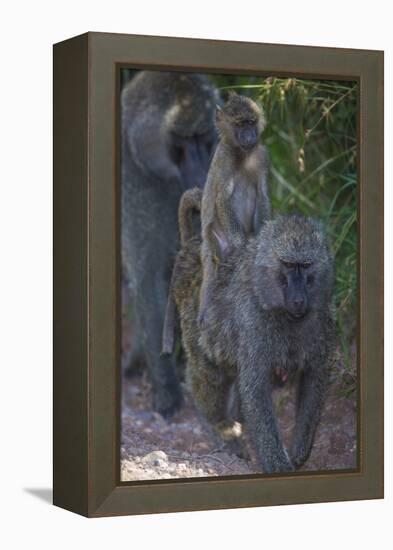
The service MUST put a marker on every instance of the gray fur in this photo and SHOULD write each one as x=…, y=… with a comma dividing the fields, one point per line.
x=250, y=339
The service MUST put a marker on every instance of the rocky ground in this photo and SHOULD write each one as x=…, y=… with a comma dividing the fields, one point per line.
x=152, y=448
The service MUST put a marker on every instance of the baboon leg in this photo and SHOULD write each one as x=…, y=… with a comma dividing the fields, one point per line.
x=310, y=398
x=234, y=406
x=259, y=418
x=210, y=388
x=162, y=369
x=168, y=334
x=132, y=359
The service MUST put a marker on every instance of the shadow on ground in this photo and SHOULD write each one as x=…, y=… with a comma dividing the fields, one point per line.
x=45, y=495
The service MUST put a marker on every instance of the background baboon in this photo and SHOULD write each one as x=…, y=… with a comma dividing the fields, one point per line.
x=235, y=200
x=270, y=320
x=167, y=140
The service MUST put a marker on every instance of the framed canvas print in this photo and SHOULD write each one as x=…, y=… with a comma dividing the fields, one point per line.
x=218, y=274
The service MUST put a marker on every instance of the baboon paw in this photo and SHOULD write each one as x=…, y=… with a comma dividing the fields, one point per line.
x=282, y=464
x=298, y=461
x=132, y=371
x=132, y=366
x=202, y=319
x=168, y=409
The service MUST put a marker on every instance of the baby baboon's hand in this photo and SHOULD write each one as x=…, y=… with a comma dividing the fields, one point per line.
x=202, y=318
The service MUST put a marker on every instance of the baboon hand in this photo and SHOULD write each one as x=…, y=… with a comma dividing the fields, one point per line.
x=298, y=457
x=278, y=465
x=202, y=318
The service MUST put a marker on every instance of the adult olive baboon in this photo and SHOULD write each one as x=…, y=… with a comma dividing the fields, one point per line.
x=235, y=200
x=168, y=137
x=270, y=320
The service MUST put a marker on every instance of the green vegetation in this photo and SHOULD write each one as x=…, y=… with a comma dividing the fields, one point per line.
x=311, y=135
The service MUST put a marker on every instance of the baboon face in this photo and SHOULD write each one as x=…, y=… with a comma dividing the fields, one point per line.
x=246, y=133
x=192, y=156
x=293, y=269
x=192, y=134
x=240, y=122
x=296, y=280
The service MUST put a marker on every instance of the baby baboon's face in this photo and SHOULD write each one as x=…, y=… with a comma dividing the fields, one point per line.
x=240, y=122
x=246, y=133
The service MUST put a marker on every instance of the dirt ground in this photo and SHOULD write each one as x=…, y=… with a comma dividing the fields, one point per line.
x=152, y=448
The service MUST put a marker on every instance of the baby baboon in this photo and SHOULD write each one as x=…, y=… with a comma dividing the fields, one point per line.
x=168, y=137
x=270, y=320
x=235, y=199
x=190, y=206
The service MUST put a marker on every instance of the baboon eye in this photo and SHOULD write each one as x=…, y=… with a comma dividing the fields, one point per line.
x=306, y=264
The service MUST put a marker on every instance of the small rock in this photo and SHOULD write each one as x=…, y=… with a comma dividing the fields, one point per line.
x=156, y=458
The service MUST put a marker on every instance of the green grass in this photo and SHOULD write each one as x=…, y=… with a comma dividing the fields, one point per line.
x=312, y=139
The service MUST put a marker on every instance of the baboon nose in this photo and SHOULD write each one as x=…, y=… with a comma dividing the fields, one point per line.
x=298, y=302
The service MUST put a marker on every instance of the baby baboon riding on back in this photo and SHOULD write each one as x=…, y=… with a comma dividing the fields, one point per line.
x=235, y=200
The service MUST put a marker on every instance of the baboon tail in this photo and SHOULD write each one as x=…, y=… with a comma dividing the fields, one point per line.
x=190, y=203
x=168, y=333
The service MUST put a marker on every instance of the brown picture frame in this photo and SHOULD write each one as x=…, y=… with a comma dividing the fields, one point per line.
x=87, y=274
